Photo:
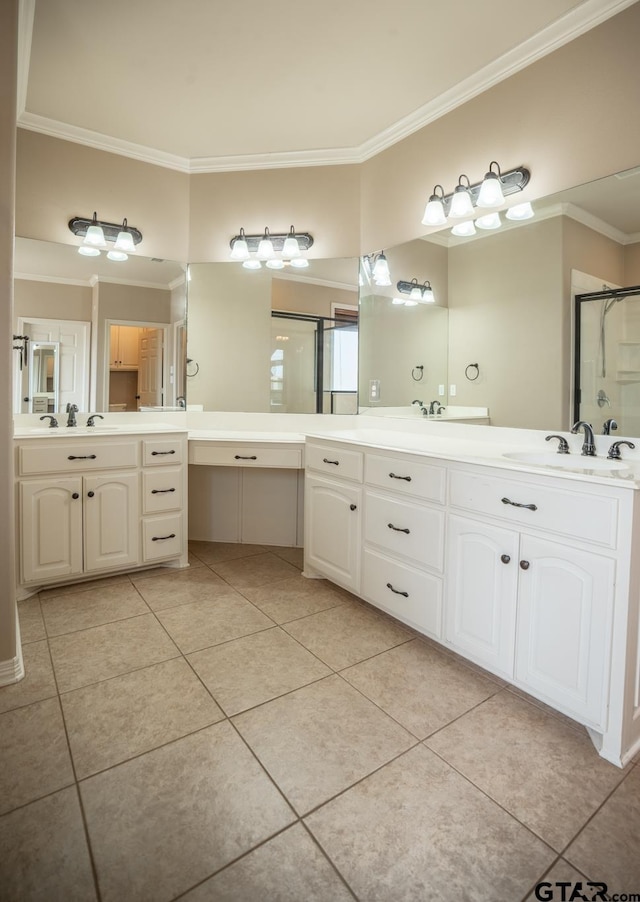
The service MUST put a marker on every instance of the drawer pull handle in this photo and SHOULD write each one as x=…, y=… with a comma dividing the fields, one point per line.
x=160, y=453
x=398, y=528
x=162, y=538
x=393, y=476
x=397, y=591
x=525, y=565
x=326, y=460
x=90, y=494
x=241, y=457
x=82, y=457
x=530, y=507
x=161, y=491
x=505, y=558
x=75, y=496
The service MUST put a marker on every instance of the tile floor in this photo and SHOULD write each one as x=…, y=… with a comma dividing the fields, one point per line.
x=237, y=732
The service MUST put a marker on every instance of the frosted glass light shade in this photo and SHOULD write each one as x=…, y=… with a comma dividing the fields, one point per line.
x=490, y=194
x=461, y=203
x=265, y=249
x=275, y=264
x=381, y=274
x=290, y=248
x=87, y=251
x=94, y=236
x=240, y=250
x=398, y=302
x=124, y=243
x=252, y=263
x=118, y=256
x=490, y=221
x=410, y=303
x=464, y=229
x=300, y=262
x=427, y=295
x=520, y=211
x=415, y=294
x=434, y=212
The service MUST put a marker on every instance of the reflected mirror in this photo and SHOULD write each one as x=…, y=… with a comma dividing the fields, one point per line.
x=119, y=327
x=43, y=370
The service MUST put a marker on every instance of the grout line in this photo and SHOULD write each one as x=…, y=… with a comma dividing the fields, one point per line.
x=325, y=854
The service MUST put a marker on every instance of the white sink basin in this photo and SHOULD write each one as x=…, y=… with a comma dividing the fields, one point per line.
x=566, y=461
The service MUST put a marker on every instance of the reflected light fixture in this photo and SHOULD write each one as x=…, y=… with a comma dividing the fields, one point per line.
x=275, y=250
x=417, y=293
x=490, y=221
x=520, y=211
x=97, y=235
x=380, y=270
x=464, y=229
x=490, y=193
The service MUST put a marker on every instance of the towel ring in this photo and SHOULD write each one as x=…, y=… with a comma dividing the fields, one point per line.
x=419, y=377
x=472, y=366
x=195, y=368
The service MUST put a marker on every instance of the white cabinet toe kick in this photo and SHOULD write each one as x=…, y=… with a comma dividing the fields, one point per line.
x=531, y=577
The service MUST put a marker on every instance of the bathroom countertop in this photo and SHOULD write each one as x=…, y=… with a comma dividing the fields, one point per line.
x=223, y=435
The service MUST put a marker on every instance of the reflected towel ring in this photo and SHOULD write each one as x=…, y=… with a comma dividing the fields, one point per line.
x=195, y=368
x=420, y=375
x=472, y=366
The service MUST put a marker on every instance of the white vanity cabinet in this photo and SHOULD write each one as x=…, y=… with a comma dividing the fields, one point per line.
x=88, y=505
x=533, y=607
x=333, y=516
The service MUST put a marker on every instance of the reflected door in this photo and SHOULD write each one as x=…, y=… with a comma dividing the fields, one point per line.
x=72, y=339
x=150, y=357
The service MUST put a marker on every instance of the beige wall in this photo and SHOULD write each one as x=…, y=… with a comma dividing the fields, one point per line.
x=8, y=64
x=304, y=297
x=51, y=300
x=632, y=264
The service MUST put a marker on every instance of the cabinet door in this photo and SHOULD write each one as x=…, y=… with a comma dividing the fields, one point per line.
x=564, y=626
x=111, y=521
x=128, y=347
x=482, y=580
x=51, y=528
x=332, y=530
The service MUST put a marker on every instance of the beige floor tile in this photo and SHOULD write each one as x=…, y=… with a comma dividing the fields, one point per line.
x=34, y=756
x=31, y=622
x=134, y=713
x=288, y=868
x=608, y=848
x=44, y=852
x=165, y=821
x=37, y=683
x=293, y=556
x=92, y=607
x=347, y=634
x=294, y=597
x=215, y=552
x=182, y=587
x=417, y=830
x=441, y=688
x=103, y=582
x=210, y=622
x=257, y=570
x=536, y=701
x=138, y=575
x=106, y=651
x=319, y=740
x=545, y=773
x=255, y=669
x=561, y=872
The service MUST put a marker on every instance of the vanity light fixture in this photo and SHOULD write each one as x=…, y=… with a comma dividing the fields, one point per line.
x=275, y=250
x=490, y=221
x=490, y=192
x=97, y=235
x=418, y=294
x=380, y=270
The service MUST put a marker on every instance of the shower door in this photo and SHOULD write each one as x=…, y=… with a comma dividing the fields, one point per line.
x=607, y=358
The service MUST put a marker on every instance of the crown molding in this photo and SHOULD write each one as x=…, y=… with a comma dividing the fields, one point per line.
x=574, y=23
x=595, y=224
x=309, y=280
x=58, y=280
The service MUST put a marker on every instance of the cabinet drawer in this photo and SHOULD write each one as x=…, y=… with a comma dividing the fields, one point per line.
x=407, y=529
x=591, y=518
x=408, y=477
x=76, y=456
x=161, y=537
x=160, y=452
x=161, y=490
x=336, y=462
x=410, y=595
x=216, y=455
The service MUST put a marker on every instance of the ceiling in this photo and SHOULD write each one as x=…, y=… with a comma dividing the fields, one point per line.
x=206, y=86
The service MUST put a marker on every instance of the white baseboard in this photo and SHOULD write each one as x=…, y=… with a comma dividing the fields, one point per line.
x=12, y=671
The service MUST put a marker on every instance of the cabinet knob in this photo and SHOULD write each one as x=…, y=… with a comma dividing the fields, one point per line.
x=505, y=558
x=525, y=565
x=353, y=507
x=90, y=494
x=75, y=496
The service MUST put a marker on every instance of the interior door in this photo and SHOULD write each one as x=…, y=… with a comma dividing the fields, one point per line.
x=73, y=361
x=150, y=367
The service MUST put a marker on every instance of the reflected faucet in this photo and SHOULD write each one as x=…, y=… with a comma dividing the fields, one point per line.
x=72, y=410
x=589, y=444
x=433, y=407
x=181, y=401
x=609, y=426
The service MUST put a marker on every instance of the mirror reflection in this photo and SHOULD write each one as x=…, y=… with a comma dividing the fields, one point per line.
x=119, y=328
x=43, y=368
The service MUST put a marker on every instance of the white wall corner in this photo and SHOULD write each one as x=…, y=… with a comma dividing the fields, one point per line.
x=12, y=671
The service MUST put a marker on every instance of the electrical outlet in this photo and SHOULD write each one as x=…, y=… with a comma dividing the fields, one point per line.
x=452, y=390
x=441, y=391
x=374, y=389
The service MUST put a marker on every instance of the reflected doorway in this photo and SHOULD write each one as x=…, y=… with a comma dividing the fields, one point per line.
x=137, y=361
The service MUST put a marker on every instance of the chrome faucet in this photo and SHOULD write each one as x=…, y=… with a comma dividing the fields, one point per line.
x=419, y=403
x=589, y=444
x=181, y=401
x=91, y=419
x=609, y=426
x=72, y=410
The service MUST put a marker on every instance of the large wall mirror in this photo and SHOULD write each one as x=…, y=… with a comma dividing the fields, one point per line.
x=116, y=331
